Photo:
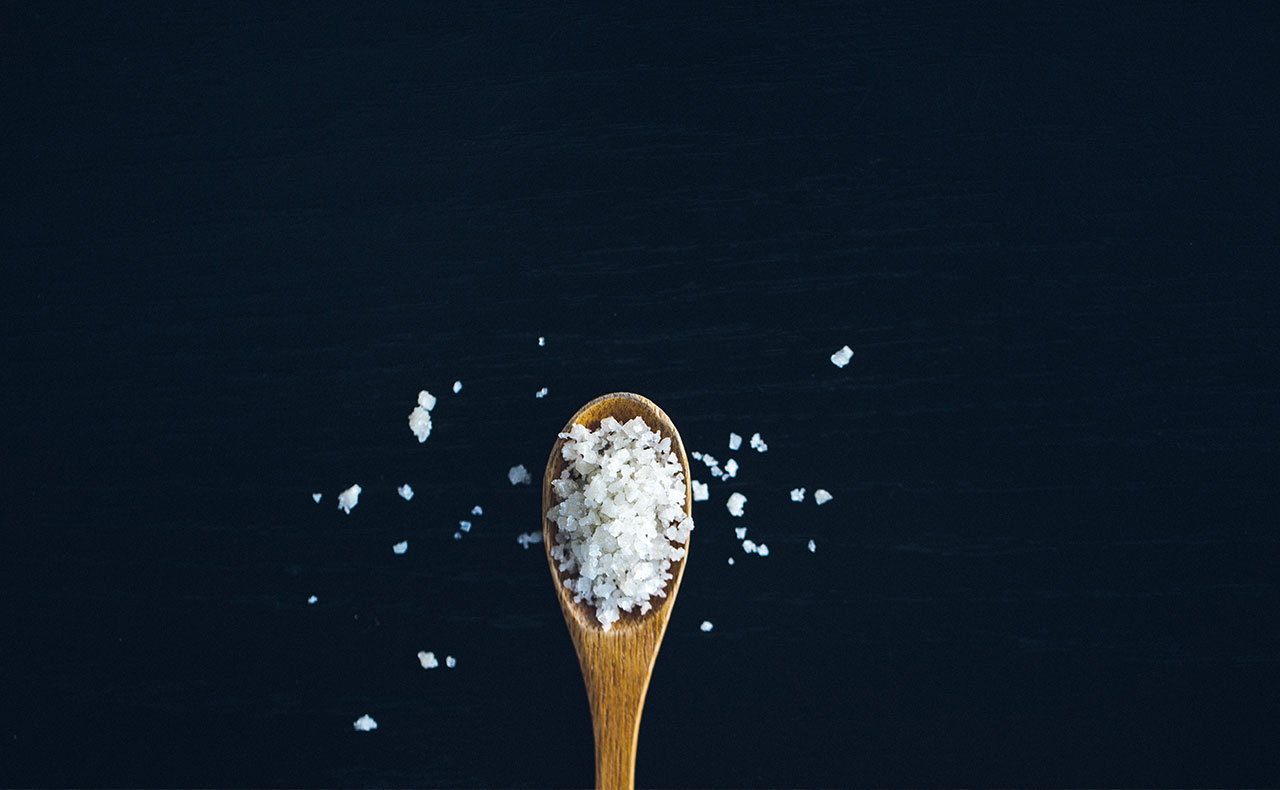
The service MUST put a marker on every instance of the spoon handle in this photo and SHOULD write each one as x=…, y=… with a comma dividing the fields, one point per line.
x=616, y=668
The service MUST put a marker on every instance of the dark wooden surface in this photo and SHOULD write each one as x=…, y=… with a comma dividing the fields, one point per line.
x=238, y=240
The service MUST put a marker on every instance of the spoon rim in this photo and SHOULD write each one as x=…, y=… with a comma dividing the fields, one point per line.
x=582, y=614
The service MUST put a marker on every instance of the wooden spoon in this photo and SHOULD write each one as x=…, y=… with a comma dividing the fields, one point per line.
x=616, y=664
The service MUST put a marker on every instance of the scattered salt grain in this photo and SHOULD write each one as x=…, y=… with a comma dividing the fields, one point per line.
x=706, y=626
x=526, y=539
x=749, y=546
x=312, y=599
x=457, y=536
x=710, y=461
x=730, y=469
x=735, y=503
x=542, y=393
x=465, y=526
x=620, y=516
x=349, y=499
x=405, y=491
x=427, y=660
x=716, y=471
x=731, y=560
x=821, y=496
x=797, y=495
x=695, y=455
x=701, y=492
x=365, y=723
x=450, y=662
x=542, y=341
x=813, y=547
x=420, y=417
x=477, y=511
x=457, y=387
x=518, y=475
x=740, y=532
x=735, y=441
x=842, y=357
x=758, y=444
x=762, y=550
x=401, y=547
x=315, y=497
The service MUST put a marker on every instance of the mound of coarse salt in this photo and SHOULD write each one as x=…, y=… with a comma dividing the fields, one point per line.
x=620, y=518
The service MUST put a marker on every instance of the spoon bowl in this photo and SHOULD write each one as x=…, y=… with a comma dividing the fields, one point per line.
x=616, y=664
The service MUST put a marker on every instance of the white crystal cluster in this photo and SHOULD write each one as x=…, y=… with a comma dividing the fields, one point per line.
x=620, y=518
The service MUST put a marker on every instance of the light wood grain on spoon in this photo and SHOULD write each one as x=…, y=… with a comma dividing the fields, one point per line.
x=616, y=664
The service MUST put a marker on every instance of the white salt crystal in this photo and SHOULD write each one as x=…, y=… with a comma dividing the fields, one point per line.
x=315, y=497
x=812, y=547
x=710, y=461
x=401, y=547
x=457, y=387
x=420, y=417
x=312, y=599
x=450, y=662
x=762, y=550
x=716, y=471
x=477, y=511
x=620, y=516
x=457, y=536
x=348, y=499
x=405, y=491
x=518, y=474
x=427, y=660
x=542, y=393
x=365, y=723
x=465, y=525
x=525, y=539
x=842, y=357
x=735, y=441
x=740, y=532
x=797, y=495
x=821, y=496
x=542, y=341
x=749, y=546
x=695, y=455
x=706, y=626
x=731, y=560
x=730, y=469
x=758, y=444
x=701, y=492
x=735, y=503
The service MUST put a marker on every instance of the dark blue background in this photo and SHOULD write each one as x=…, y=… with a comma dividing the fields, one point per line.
x=237, y=239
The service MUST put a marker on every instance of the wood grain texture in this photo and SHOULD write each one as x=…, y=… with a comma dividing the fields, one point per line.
x=616, y=664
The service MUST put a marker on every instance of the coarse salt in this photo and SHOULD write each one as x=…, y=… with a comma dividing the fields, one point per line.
x=620, y=516
x=730, y=469
x=312, y=599
x=701, y=491
x=842, y=357
x=427, y=659
x=465, y=526
x=758, y=444
x=542, y=341
x=477, y=511
x=420, y=417
x=525, y=539
x=706, y=626
x=457, y=387
x=519, y=475
x=740, y=532
x=315, y=497
x=749, y=546
x=735, y=503
x=542, y=393
x=797, y=495
x=405, y=491
x=365, y=723
x=822, y=496
x=349, y=499
x=450, y=662
x=735, y=441
x=762, y=550
x=401, y=547
x=813, y=547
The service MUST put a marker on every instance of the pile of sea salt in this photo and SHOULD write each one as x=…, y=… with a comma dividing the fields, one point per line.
x=620, y=518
